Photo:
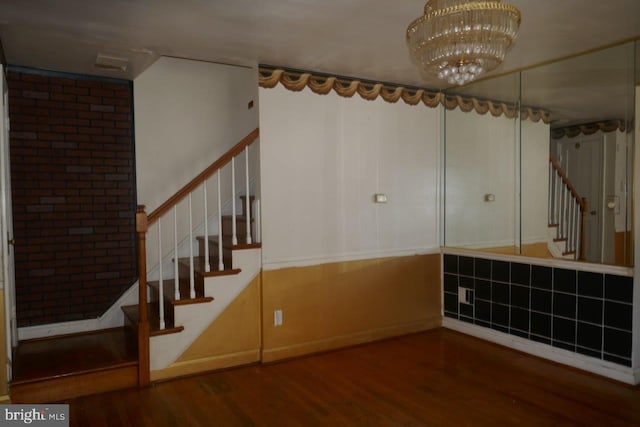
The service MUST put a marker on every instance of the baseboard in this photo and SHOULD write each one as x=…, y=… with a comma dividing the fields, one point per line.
x=565, y=357
x=310, y=347
x=206, y=364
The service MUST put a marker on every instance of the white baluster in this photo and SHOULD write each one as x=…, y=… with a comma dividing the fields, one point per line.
x=192, y=282
x=161, y=281
x=247, y=206
x=176, y=268
x=256, y=220
x=207, y=264
x=550, y=207
x=220, y=261
x=234, y=237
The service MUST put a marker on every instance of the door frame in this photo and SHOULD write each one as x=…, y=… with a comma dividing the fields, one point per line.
x=6, y=228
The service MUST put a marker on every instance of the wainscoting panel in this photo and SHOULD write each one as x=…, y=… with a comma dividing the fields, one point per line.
x=583, y=312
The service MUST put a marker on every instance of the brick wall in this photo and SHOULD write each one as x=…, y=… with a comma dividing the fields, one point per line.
x=73, y=184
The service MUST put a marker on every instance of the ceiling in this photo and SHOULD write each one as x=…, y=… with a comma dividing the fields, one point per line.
x=359, y=38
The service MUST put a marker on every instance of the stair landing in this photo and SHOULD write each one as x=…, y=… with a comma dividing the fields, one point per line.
x=63, y=367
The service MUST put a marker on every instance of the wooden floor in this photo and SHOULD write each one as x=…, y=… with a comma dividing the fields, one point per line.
x=54, y=357
x=63, y=367
x=439, y=377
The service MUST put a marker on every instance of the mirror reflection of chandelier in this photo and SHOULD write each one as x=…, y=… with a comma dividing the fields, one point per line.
x=457, y=40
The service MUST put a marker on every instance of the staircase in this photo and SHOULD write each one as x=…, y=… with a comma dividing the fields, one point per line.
x=210, y=270
x=567, y=212
x=168, y=298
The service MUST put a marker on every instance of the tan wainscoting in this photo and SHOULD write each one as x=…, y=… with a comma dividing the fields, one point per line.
x=340, y=304
x=623, y=244
x=232, y=339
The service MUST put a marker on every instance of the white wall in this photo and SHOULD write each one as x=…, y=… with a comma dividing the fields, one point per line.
x=481, y=160
x=535, y=181
x=322, y=160
x=187, y=114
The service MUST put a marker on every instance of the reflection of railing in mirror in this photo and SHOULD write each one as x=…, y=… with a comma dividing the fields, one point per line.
x=567, y=212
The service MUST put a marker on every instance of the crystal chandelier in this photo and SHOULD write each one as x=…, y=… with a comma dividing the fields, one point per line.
x=457, y=40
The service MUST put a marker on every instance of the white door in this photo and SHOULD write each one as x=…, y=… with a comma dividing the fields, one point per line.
x=581, y=158
x=6, y=227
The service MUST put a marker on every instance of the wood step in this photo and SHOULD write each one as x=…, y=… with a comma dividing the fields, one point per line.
x=169, y=293
x=198, y=264
x=131, y=312
x=560, y=239
x=244, y=203
x=227, y=243
x=227, y=255
x=241, y=226
x=63, y=367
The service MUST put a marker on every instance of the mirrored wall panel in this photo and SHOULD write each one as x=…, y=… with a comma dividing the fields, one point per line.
x=555, y=180
x=480, y=175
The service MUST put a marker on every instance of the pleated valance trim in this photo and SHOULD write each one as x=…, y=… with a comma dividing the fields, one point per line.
x=296, y=81
x=591, y=128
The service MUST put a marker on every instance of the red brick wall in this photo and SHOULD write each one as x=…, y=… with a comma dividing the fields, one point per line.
x=73, y=183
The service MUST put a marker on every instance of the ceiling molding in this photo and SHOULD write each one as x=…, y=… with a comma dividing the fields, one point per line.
x=322, y=84
x=605, y=126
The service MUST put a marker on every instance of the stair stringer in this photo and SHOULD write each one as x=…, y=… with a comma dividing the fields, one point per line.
x=556, y=248
x=166, y=349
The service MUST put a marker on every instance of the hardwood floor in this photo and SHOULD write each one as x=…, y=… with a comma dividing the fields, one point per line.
x=438, y=377
x=55, y=368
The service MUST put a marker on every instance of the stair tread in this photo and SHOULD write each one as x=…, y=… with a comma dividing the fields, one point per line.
x=153, y=316
x=227, y=243
x=198, y=266
x=169, y=292
x=73, y=354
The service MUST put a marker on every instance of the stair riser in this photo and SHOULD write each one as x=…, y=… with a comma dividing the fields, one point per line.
x=168, y=307
x=241, y=228
x=213, y=253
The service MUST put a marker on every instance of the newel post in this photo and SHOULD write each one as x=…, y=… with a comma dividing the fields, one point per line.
x=143, y=322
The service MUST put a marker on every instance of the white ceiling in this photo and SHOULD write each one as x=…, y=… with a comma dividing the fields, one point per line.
x=359, y=38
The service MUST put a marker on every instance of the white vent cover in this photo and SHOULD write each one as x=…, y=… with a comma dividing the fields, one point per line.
x=113, y=63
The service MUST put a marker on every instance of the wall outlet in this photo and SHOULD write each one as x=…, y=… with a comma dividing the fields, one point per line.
x=277, y=318
x=465, y=296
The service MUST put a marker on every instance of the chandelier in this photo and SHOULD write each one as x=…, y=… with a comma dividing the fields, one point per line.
x=457, y=40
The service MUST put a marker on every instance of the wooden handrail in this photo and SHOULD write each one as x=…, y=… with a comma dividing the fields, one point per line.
x=207, y=173
x=565, y=179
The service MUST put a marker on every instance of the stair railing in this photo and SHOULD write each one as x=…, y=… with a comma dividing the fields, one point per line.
x=144, y=221
x=567, y=211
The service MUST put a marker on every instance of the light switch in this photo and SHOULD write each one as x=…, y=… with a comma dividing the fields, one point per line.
x=380, y=198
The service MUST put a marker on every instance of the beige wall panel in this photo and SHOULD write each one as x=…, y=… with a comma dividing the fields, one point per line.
x=332, y=305
x=231, y=339
x=236, y=329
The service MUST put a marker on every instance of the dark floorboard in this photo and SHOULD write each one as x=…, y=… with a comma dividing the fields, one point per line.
x=438, y=377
